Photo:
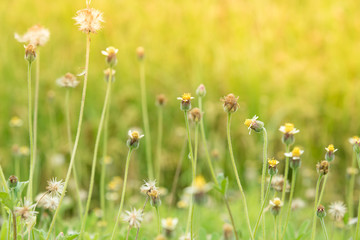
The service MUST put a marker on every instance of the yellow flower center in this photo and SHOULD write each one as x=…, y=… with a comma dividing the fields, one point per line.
x=277, y=202
x=273, y=162
x=154, y=193
x=248, y=122
x=135, y=135
x=296, y=152
x=169, y=222
x=289, y=127
x=186, y=97
x=111, y=50
x=331, y=148
x=200, y=182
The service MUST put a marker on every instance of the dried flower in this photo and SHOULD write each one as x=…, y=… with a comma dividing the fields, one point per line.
x=161, y=100
x=107, y=74
x=337, y=210
x=195, y=115
x=330, y=153
x=277, y=183
x=16, y=122
x=230, y=103
x=89, y=20
x=134, y=139
x=37, y=35
x=228, y=231
x=254, y=124
x=201, y=91
x=320, y=212
x=289, y=130
x=134, y=218
x=185, y=104
x=30, y=53
x=26, y=212
x=110, y=54
x=54, y=187
x=67, y=81
x=50, y=202
x=323, y=167
x=272, y=169
x=275, y=206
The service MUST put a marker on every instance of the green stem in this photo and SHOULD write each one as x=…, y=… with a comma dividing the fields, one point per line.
x=237, y=175
x=275, y=227
x=313, y=232
x=292, y=190
x=159, y=142
x=14, y=225
x=231, y=217
x=3, y=180
x=95, y=156
x=193, y=164
x=158, y=220
x=68, y=127
x=358, y=215
x=146, y=120
x=78, y=131
x=322, y=189
x=351, y=188
x=142, y=212
x=17, y=166
x=324, y=228
x=262, y=208
x=285, y=175
x=31, y=137
x=123, y=194
x=36, y=110
x=263, y=180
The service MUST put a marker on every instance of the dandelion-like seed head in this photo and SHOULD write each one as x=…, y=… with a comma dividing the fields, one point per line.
x=337, y=210
x=277, y=183
x=55, y=188
x=50, y=202
x=37, y=35
x=26, y=212
x=134, y=218
x=89, y=20
x=67, y=81
x=230, y=103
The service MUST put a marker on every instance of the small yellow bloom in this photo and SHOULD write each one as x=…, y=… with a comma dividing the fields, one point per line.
x=273, y=162
x=248, y=122
x=296, y=152
x=200, y=182
x=331, y=147
x=354, y=140
x=289, y=127
x=186, y=97
x=276, y=202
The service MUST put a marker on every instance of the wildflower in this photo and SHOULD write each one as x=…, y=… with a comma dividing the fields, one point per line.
x=330, y=150
x=26, y=212
x=195, y=115
x=89, y=20
x=30, y=53
x=320, y=212
x=185, y=104
x=110, y=54
x=297, y=204
x=67, y=81
x=272, y=169
x=185, y=237
x=24, y=151
x=161, y=100
x=337, y=210
x=289, y=130
x=182, y=204
x=134, y=139
x=352, y=171
x=54, y=187
x=277, y=183
x=323, y=167
x=134, y=218
x=199, y=189
x=152, y=191
x=228, y=231
x=37, y=35
x=148, y=186
x=254, y=124
x=13, y=181
x=107, y=74
x=295, y=154
x=275, y=206
x=230, y=103
x=50, y=202
x=16, y=122
x=140, y=52
x=201, y=91
x=169, y=225
x=353, y=140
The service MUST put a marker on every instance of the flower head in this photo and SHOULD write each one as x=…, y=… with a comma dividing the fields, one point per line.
x=16, y=122
x=67, y=81
x=152, y=191
x=298, y=203
x=289, y=130
x=323, y=167
x=195, y=115
x=201, y=91
x=37, y=35
x=54, y=187
x=230, y=103
x=353, y=140
x=275, y=206
x=185, y=237
x=134, y=218
x=140, y=52
x=254, y=124
x=134, y=138
x=228, y=231
x=295, y=153
x=110, y=54
x=199, y=188
x=161, y=100
x=89, y=20
x=330, y=150
x=50, y=202
x=107, y=74
x=277, y=183
x=272, y=169
x=13, y=181
x=26, y=212
x=337, y=210
x=169, y=223
x=320, y=212
x=30, y=53
x=185, y=104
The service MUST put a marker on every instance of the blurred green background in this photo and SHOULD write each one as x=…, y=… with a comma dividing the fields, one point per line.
x=288, y=61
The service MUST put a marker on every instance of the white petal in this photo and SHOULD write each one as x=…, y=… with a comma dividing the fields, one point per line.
x=104, y=53
x=289, y=154
x=282, y=129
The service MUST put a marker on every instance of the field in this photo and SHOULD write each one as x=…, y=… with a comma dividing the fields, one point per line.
x=286, y=61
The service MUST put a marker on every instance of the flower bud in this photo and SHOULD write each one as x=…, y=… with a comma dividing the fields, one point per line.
x=30, y=53
x=107, y=74
x=289, y=130
x=110, y=54
x=195, y=115
x=13, y=181
x=272, y=169
x=254, y=124
x=320, y=212
x=201, y=91
x=161, y=100
x=323, y=167
x=185, y=104
x=140, y=52
x=330, y=153
x=134, y=139
x=230, y=103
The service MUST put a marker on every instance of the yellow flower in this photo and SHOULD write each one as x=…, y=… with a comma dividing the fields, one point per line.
x=276, y=202
x=273, y=162
x=186, y=97
x=288, y=128
x=16, y=122
x=354, y=140
x=200, y=182
x=295, y=153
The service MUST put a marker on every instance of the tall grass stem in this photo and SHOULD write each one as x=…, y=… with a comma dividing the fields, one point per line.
x=31, y=136
x=313, y=231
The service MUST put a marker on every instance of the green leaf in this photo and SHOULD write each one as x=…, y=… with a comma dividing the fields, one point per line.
x=6, y=200
x=223, y=183
x=304, y=227
x=346, y=218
